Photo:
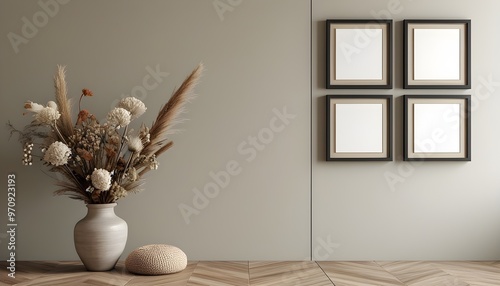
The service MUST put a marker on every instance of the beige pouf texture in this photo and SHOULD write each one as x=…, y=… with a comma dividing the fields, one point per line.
x=156, y=259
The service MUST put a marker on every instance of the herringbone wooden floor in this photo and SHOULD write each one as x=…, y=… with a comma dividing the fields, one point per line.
x=301, y=273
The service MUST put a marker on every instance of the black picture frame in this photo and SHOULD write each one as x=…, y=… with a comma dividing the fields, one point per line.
x=370, y=42
x=437, y=54
x=359, y=127
x=437, y=127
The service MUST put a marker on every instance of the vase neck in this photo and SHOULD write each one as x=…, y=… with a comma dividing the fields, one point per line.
x=101, y=209
x=101, y=206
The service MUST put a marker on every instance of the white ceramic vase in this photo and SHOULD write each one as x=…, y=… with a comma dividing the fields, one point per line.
x=100, y=237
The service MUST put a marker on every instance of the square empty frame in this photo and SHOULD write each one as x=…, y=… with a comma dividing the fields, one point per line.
x=437, y=127
x=437, y=54
x=359, y=127
x=359, y=54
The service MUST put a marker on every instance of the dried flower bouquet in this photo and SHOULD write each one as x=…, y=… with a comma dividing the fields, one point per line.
x=100, y=162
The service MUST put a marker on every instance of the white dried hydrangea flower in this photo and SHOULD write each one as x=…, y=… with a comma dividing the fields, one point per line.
x=119, y=117
x=57, y=154
x=135, y=144
x=101, y=179
x=133, y=105
x=47, y=115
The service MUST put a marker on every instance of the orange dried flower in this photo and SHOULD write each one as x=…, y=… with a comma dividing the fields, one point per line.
x=87, y=92
x=110, y=151
x=82, y=116
x=86, y=155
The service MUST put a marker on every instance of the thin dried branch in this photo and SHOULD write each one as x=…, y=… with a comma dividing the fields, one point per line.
x=73, y=182
x=29, y=133
x=71, y=190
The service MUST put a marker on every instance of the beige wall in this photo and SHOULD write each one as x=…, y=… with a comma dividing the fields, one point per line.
x=258, y=58
x=430, y=210
x=257, y=61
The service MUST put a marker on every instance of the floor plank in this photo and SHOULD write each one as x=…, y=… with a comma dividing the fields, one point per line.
x=265, y=273
x=473, y=273
x=175, y=279
x=303, y=273
x=358, y=274
x=219, y=273
x=417, y=273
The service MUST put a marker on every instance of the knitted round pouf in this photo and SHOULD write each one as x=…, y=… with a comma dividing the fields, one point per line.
x=156, y=259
